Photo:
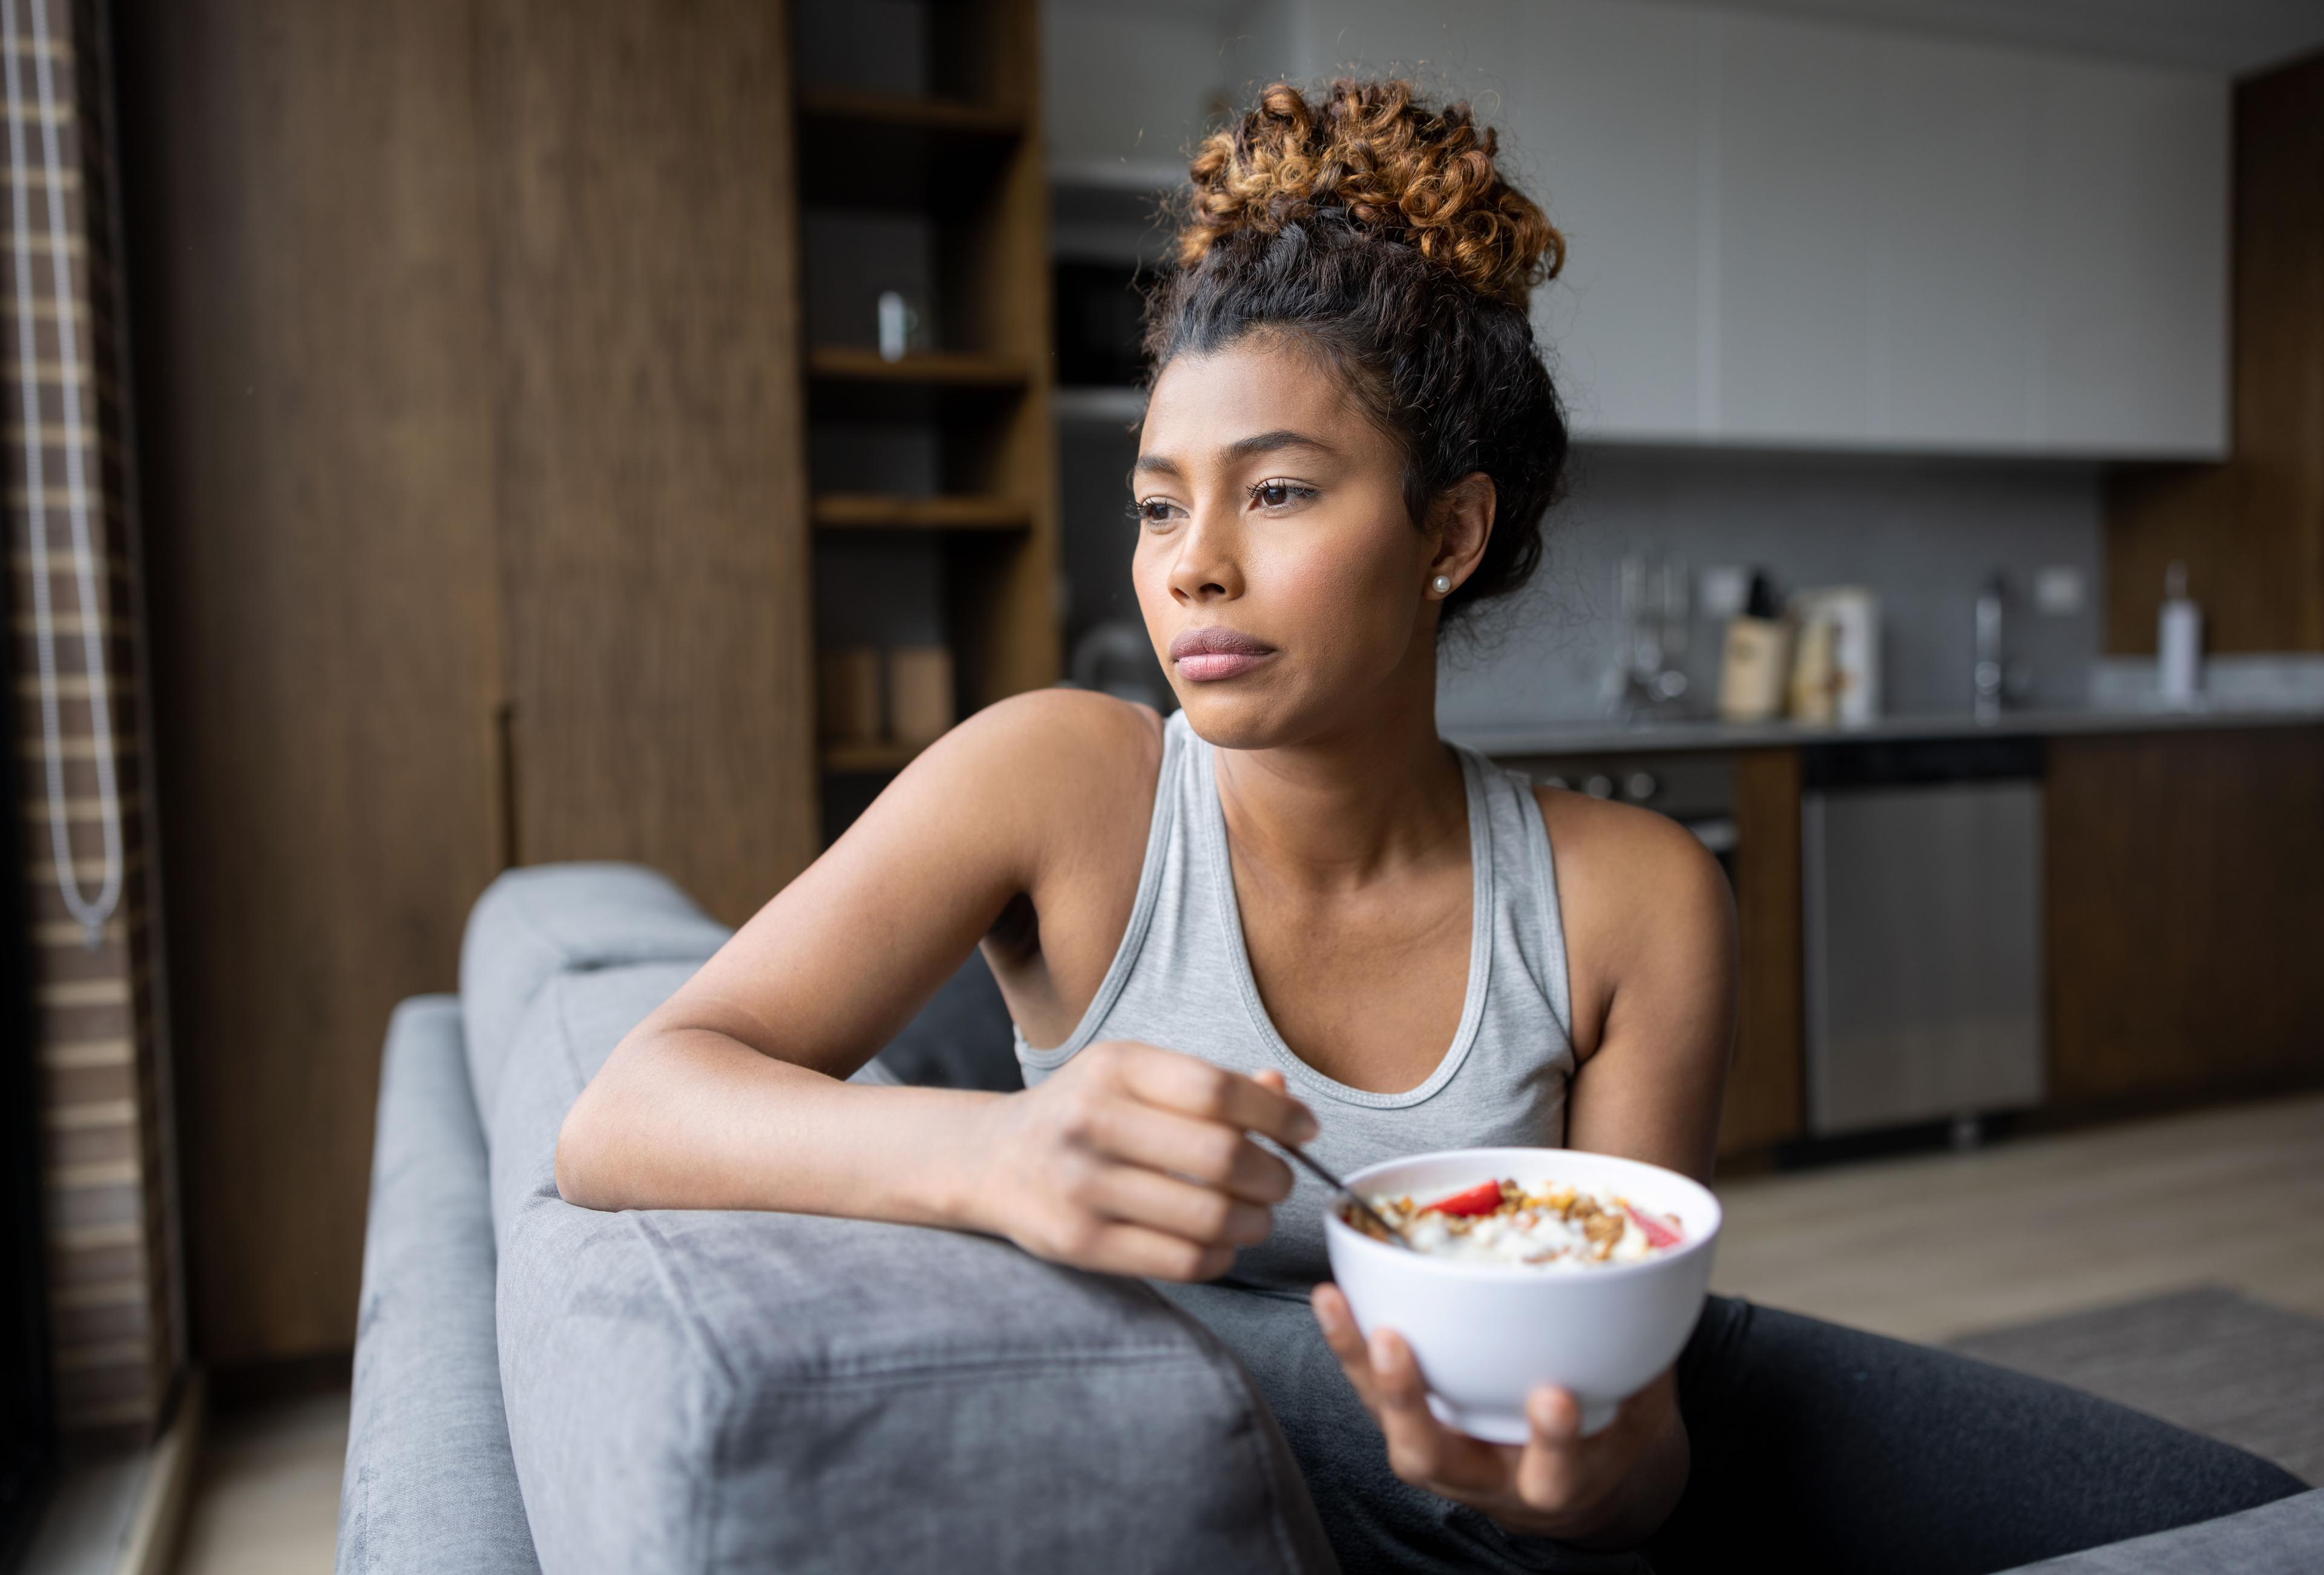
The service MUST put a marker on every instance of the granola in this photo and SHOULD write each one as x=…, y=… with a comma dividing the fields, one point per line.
x=1553, y=1225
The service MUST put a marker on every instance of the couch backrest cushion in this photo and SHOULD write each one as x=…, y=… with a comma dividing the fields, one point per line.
x=533, y=924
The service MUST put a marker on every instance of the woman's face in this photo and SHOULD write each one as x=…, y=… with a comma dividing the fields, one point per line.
x=1284, y=583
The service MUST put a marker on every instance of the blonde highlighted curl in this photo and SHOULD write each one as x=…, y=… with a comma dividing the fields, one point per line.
x=1401, y=171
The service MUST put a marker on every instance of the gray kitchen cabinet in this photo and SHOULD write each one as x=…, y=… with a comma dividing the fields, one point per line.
x=1792, y=233
x=1794, y=171
x=1627, y=317
x=2131, y=255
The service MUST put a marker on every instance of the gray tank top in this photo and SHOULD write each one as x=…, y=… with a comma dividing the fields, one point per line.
x=1182, y=980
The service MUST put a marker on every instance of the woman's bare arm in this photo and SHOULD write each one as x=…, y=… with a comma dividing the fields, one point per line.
x=732, y=1094
x=1650, y=933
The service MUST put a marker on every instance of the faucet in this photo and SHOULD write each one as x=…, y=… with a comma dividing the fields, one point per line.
x=1986, y=675
x=1651, y=680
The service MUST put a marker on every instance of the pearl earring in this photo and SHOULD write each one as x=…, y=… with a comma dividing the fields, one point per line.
x=1441, y=584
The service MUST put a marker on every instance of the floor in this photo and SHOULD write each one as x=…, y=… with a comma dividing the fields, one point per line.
x=266, y=1491
x=1925, y=1247
x=1941, y=1245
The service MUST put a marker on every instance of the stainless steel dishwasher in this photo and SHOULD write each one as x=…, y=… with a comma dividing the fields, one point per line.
x=1922, y=897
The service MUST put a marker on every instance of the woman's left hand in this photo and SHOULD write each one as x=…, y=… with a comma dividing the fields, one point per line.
x=1611, y=1489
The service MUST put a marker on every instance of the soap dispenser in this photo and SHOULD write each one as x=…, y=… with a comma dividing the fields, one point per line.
x=2178, y=643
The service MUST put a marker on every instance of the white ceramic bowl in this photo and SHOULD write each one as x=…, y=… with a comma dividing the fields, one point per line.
x=1488, y=1334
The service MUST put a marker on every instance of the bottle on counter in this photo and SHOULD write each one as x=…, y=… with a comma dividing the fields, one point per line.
x=1814, y=681
x=1756, y=660
x=2178, y=643
x=1836, y=656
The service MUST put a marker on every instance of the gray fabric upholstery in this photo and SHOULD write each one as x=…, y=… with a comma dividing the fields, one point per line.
x=429, y=1483
x=718, y=1391
x=533, y=923
x=756, y=1392
x=2282, y=1538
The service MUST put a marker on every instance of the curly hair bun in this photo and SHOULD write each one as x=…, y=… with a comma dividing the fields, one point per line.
x=1409, y=173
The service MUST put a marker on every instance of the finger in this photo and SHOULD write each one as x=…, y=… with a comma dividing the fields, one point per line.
x=1205, y=1215
x=1216, y=1155
x=1338, y=1321
x=1198, y=1087
x=1415, y=1439
x=1549, y=1471
x=1123, y=1248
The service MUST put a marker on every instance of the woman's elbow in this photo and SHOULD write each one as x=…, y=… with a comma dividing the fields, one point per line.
x=582, y=1145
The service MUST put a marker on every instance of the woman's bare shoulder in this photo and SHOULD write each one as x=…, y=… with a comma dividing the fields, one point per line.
x=1043, y=763
x=1656, y=858
x=1641, y=897
x=1050, y=741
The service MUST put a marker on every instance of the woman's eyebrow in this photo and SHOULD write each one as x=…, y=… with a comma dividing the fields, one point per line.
x=1235, y=452
x=1243, y=448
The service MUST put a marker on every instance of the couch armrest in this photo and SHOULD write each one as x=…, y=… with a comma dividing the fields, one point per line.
x=429, y=1482
x=737, y=1391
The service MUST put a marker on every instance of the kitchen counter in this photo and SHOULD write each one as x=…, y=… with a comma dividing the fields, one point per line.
x=1615, y=738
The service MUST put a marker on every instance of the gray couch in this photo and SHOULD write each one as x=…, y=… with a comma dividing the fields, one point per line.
x=539, y=1387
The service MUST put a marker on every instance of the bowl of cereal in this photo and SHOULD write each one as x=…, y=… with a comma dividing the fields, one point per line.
x=1527, y=1267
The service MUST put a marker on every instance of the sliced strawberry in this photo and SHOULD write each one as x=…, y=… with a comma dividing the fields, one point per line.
x=1481, y=1198
x=1658, y=1235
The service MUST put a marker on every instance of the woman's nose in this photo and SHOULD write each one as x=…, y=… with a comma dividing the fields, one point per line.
x=1206, y=568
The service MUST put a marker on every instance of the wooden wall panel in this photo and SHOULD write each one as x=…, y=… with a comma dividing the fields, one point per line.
x=309, y=307
x=651, y=502
x=2183, y=877
x=1765, y=1085
x=2251, y=532
x=470, y=379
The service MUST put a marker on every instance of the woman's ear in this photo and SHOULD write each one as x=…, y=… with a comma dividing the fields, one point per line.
x=1463, y=525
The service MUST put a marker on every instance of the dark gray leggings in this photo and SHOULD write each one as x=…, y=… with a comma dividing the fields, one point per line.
x=1814, y=1446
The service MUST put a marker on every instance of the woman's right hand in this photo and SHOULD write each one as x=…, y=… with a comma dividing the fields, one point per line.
x=1134, y=1160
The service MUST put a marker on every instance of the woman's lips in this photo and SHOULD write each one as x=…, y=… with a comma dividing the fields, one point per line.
x=1205, y=656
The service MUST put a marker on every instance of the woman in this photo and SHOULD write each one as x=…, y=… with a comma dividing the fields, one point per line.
x=1292, y=913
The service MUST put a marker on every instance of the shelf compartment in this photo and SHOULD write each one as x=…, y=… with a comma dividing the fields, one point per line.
x=868, y=758
x=851, y=384
x=888, y=511
x=954, y=116
x=947, y=369
x=893, y=151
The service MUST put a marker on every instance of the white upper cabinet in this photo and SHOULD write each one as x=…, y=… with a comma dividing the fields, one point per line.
x=2130, y=244
x=1793, y=188
x=1794, y=232
x=1953, y=291
x=1603, y=125
x=1446, y=46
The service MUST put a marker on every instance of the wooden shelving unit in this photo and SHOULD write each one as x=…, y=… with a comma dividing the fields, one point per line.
x=878, y=760
x=935, y=369
x=920, y=160
x=826, y=107
x=885, y=512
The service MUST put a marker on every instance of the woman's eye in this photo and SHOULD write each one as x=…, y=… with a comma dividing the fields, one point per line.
x=1153, y=510
x=1277, y=494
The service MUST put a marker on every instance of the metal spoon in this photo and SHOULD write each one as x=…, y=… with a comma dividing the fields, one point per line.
x=1394, y=1233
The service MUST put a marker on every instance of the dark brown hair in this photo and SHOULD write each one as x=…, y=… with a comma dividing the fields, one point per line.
x=1378, y=233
